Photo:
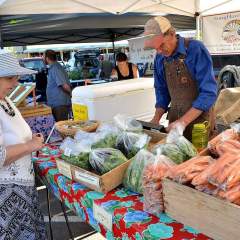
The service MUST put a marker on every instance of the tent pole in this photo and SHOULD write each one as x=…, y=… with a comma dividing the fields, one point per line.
x=198, y=29
x=113, y=46
x=1, y=38
x=197, y=15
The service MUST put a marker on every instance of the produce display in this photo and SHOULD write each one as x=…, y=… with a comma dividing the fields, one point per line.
x=80, y=124
x=130, y=143
x=153, y=174
x=177, y=147
x=172, y=151
x=185, y=172
x=219, y=177
x=107, y=141
x=104, y=160
x=133, y=176
x=76, y=152
x=81, y=160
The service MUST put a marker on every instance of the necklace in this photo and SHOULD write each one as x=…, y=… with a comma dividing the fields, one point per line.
x=9, y=110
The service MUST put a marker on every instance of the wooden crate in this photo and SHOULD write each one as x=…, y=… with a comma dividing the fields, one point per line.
x=209, y=215
x=39, y=110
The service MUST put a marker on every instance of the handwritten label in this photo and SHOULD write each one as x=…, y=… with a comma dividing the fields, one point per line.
x=102, y=216
x=87, y=178
x=67, y=152
x=64, y=168
x=80, y=112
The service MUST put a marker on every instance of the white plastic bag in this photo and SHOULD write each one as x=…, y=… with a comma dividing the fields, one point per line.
x=104, y=160
x=131, y=143
x=153, y=174
x=126, y=123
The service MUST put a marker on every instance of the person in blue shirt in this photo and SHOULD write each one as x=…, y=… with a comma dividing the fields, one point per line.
x=183, y=77
x=58, y=88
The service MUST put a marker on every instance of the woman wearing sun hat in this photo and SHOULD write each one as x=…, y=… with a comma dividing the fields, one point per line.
x=20, y=217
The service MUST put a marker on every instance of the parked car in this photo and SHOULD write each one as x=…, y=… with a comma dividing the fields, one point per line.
x=37, y=64
x=87, y=62
x=227, y=79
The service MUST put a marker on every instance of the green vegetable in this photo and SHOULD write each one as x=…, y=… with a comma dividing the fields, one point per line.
x=172, y=151
x=109, y=141
x=186, y=147
x=81, y=160
x=133, y=176
x=104, y=160
x=131, y=143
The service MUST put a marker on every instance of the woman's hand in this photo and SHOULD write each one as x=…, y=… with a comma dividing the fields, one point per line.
x=36, y=143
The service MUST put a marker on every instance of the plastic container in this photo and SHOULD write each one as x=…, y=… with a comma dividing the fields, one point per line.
x=200, y=135
x=135, y=98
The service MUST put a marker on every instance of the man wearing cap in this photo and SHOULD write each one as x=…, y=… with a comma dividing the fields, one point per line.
x=183, y=75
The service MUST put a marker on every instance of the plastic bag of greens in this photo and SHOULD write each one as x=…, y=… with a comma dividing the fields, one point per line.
x=133, y=176
x=153, y=174
x=130, y=143
x=104, y=160
x=175, y=136
x=105, y=137
x=82, y=135
x=126, y=123
x=76, y=152
x=171, y=151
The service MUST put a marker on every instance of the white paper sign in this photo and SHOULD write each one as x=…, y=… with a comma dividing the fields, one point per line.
x=64, y=168
x=221, y=33
x=87, y=178
x=102, y=216
x=67, y=151
x=137, y=53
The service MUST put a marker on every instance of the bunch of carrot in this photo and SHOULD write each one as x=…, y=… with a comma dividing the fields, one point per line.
x=219, y=177
x=152, y=183
x=185, y=172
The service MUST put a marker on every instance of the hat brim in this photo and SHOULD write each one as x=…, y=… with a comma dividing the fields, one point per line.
x=18, y=71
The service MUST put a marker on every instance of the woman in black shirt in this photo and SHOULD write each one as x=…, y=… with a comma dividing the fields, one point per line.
x=124, y=69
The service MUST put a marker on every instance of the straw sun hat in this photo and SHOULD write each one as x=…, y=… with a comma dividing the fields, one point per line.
x=9, y=65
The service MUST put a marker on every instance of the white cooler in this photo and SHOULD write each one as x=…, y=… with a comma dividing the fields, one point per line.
x=135, y=97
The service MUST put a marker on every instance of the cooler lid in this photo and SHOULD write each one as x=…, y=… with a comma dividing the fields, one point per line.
x=112, y=88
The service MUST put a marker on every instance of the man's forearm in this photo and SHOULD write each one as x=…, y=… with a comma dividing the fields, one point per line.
x=190, y=116
x=158, y=114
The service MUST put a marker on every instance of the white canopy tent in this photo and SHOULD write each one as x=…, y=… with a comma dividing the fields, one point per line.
x=182, y=7
x=101, y=8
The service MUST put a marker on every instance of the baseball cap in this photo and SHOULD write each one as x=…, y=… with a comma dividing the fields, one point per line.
x=157, y=25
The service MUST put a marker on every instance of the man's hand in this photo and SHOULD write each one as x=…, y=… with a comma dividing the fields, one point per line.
x=186, y=119
x=66, y=88
x=175, y=124
x=87, y=81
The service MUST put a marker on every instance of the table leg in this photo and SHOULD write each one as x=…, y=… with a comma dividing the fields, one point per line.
x=67, y=222
x=49, y=214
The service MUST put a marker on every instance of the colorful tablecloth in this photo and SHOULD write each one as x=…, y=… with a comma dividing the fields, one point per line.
x=42, y=124
x=129, y=220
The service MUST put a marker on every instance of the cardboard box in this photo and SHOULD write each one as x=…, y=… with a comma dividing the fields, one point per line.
x=101, y=183
x=108, y=181
x=209, y=215
x=156, y=138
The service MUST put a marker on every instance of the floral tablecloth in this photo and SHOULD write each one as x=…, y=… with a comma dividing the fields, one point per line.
x=42, y=124
x=129, y=220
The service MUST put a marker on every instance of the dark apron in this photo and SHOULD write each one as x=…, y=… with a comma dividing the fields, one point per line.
x=183, y=91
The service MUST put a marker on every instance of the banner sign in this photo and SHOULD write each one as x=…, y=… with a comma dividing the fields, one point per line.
x=221, y=33
x=137, y=53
